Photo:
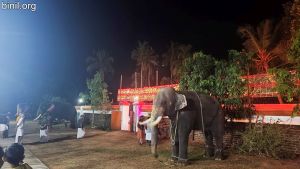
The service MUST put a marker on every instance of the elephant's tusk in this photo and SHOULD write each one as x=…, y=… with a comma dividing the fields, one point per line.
x=154, y=123
x=145, y=122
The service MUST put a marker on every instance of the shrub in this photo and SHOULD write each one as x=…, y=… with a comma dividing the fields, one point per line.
x=262, y=140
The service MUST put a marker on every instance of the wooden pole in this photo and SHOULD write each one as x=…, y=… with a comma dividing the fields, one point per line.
x=141, y=78
x=156, y=77
x=121, y=81
x=135, y=80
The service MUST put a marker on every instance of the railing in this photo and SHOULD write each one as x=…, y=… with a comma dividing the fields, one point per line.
x=262, y=85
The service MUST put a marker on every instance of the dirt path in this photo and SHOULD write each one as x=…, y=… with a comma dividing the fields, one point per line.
x=118, y=149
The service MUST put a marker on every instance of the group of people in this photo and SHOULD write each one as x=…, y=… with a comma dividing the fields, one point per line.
x=20, y=120
x=14, y=155
x=44, y=120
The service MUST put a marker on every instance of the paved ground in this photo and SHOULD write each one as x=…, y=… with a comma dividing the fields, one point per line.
x=29, y=157
x=33, y=161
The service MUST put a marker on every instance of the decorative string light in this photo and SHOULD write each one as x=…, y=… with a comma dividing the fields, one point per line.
x=260, y=85
x=144, y=94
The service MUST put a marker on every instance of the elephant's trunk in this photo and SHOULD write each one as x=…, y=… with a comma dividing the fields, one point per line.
x=156, y=117
x=154, y=139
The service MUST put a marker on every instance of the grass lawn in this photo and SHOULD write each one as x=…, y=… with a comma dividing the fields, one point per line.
x=119, y=149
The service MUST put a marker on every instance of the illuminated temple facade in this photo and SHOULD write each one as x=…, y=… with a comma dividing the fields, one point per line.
x=135, y=102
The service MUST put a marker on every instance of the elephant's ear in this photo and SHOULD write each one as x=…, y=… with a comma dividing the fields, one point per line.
x=180, y=101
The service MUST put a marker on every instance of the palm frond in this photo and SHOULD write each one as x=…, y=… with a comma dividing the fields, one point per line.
x=248, y=33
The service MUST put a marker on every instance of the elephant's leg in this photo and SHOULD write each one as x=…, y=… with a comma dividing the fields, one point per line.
x=219, y=147
x=218, y=133
x=183, y=147
x=209, y=146
x=174, y=142
x=175, y=151
x=185, y=124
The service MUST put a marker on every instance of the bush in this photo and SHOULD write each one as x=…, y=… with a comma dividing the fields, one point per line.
x=262, y=140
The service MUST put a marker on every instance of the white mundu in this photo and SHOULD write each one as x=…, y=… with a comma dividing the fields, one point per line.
x=3, y=127
x=20, y=130
x=80, y=133
x=148, y=134
x=44, y=133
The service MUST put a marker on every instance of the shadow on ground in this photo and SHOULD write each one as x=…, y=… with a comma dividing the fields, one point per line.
x=70, y=137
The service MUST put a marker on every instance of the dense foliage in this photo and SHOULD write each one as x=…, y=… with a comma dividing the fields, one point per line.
x=98, y=93
x=286, y=80
x=197, y=73
x=219, y=78
x=285, y=84
x=262, y=140
x=294, y=51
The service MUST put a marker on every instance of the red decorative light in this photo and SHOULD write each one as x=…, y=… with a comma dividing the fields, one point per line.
x=260, y=85
x=144, y=94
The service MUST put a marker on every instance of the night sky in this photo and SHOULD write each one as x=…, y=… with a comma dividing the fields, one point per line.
x=44, y=52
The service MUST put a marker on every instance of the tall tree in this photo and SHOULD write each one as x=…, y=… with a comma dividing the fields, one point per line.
x=294, y=13
x=294, y=51
x=174, y=57
x=100, y=62
x=98, y=92
x=146, y=60
x=264, y=41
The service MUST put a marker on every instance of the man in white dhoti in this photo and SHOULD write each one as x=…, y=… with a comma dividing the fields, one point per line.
x=80, y=130
x=43, y=121
x=20, y=127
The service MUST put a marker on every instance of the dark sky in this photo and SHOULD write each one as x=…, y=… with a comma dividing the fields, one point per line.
x=44, y=51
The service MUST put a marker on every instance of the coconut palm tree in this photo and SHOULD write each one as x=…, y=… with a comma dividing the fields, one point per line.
x=146, y=60
x=174, y=57
x=265, y=42
x=100, y=62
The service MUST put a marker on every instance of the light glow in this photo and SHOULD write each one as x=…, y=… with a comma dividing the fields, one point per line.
x=80, y=100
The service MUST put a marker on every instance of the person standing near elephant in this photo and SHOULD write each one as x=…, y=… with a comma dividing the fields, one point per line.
x=148, y=135
x=141, y=131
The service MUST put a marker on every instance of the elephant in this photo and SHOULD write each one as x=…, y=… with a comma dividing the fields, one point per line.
x=187, y=110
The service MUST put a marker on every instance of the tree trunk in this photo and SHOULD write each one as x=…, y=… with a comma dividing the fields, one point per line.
x=93, y=119
x=141, y=76
x=149, y=73
x=156, y=78
x=279, y=98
